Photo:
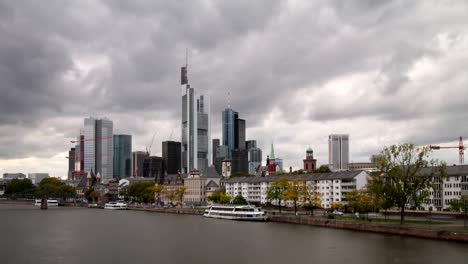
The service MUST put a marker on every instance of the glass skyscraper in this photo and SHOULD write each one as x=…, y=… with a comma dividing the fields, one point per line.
x=122, y=156
x=196, y=138
x=98, y=147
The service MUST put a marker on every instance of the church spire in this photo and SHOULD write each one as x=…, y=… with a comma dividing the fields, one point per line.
x=272, y=152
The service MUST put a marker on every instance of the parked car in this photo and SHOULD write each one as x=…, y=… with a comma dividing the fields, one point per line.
x=336, y=212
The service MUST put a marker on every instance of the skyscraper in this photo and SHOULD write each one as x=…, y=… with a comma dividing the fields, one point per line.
x=230, y=130
x=122, y=156
x=171, y=156
x=255, y=159
x=338, y=152
x=137, y=163
x=71, y=163
x=98, y=147
x=196, y=139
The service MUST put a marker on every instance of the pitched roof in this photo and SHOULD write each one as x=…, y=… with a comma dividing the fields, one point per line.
x=212, y=184
x=210, y=172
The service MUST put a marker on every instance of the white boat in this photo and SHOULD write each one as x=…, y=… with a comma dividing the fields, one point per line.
x=116, y=205
x=50, y=202
x=236, y=212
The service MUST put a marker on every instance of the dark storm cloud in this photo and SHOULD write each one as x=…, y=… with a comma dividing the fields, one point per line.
x=64, y=60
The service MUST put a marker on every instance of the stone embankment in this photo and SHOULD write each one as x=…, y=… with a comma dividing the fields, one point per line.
x=186, y=211
x=377, y=228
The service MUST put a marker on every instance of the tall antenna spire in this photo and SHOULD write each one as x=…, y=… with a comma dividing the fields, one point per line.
x=186, y=57
x=229, y=99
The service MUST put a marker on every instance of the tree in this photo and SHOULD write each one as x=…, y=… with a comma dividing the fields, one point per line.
x=239, y=200
x=275, y=191
x=456, y=205
x=179, y=194
x=336, y=206
x=142, y=191
x=53, y=187
x=215, y=197
x=323, y=169
x=360, y=200
x=224, y=198
x=401, y=168
x=296, y=191
x=19, y=187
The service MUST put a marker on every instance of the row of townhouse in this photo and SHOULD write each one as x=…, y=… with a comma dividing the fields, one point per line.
x=333, y=186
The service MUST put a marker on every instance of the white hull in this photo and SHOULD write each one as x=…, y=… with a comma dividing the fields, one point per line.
x=49, y=203
x=115, y=206
x=240, y=213
x=263, y=218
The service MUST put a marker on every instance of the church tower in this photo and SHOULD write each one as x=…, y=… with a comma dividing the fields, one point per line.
x=310, y=164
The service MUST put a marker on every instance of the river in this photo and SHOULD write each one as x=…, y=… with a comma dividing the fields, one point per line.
x=84, y=236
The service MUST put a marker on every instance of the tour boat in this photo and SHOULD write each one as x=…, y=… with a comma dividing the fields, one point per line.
x=116, y=205
x=236, y=212
x=50, y=202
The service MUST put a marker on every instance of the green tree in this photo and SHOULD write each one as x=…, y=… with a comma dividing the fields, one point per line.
x=141, y=191
x=276, y=190
x=53, y=187
x=296, y=191
x=407, y=174
x=158, y=189
x=336, y=206
x=239, y=200
x=224, y=198
x=360, y=200
x=179, y=194
x=323, y=169
x=456, y=205
x=19, y=187
x=215, y=197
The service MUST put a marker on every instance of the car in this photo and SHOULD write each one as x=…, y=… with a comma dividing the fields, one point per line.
x=336, y=212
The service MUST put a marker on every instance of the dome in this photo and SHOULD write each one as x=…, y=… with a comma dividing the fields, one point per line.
x=309, y=149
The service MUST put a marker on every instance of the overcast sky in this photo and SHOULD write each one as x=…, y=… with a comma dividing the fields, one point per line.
x=383, y=72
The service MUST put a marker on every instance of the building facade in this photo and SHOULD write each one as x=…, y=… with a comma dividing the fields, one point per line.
x=153, y=167
x=196, y=138
x=255, y=159
x=330, y=187
x=338, y=152
x=122, y=156
x=98, y=147
x=36, y=178
x=171, y=154
x=138, y=157
x=71, y=163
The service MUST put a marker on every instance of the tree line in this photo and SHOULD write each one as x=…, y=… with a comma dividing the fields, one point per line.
x=47, y=188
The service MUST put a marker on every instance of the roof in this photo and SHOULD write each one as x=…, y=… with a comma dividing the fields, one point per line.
x=309, y=149
x=342, y=175
x=272, y=152
x=212, y=184
x=210, y=172
x=455, y=170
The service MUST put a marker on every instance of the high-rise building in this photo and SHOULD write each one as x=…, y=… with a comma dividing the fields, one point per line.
x=171, y=156
x=220, y=155
x=249, y=144
x=255, y=159
x=79, y=159
x=137, y=163
x=122, y=156
x=310, y=164
x=98, y=147
x=153, y=167
x=71, y=163
x=196, y=138
x=214, y=145
x=36, y=178
x=240, y=139
x=240, y=162
x=338, y=152
x=230, y=130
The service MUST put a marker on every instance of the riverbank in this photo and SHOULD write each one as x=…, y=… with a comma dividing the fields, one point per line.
x=413, y=230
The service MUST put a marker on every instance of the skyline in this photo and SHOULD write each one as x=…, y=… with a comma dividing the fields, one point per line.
x=383, y=73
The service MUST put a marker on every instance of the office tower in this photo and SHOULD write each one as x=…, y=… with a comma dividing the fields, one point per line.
x=240, y=139
x=171, y=156
x=71, y=163
x=153, y=167
x=338, y=152
x=137, y=163
x=240, y=162
x=36, y=178
x=122, y=156
x=249, y=144
x=310, y=164
x=98, y=147
x=214, y=145
x=255, y=159
x=230, y=137
x=195, y=128
x=220, y=155
x=79, y=158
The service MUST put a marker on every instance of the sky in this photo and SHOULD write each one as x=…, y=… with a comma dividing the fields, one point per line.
x=384, y=72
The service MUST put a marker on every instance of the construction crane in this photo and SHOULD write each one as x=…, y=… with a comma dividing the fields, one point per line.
x=148, y=149
x=460, y=147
